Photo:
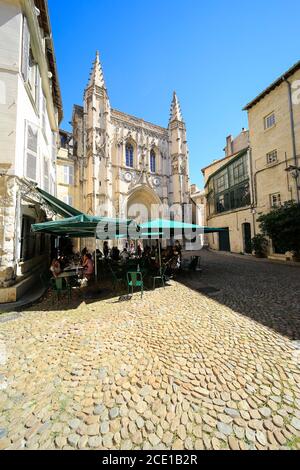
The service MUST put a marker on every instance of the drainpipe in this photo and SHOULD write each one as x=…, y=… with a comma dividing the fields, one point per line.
x=287, y=176
x=293, y=134
x=253, y=196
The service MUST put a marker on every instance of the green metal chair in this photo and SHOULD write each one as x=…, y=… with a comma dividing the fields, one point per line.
x=45, y=280
x=60, y=286
x=117, y=278
x=135, y=279
x=161, y=277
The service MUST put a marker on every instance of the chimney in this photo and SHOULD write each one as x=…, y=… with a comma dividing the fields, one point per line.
x=229, y=149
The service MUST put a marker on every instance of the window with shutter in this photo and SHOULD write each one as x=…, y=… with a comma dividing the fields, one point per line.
x=54, y=146
x=71, y=175
x=44, y=114
x=68, y=175
x=37, y=89
x=46, y=174
x=31, y=152
x=25, y=50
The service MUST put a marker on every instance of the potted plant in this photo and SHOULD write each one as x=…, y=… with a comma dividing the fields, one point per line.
x=259, y=246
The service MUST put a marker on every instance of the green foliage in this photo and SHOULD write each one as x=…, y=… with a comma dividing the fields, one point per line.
x=259, y=245
x=282, y=225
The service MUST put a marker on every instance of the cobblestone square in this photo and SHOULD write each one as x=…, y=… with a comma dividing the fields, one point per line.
x=176, y=370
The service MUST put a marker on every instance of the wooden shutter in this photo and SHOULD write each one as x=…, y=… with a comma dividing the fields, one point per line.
x=54, y=147
x=25, y=50
x=31, y=152
x=71, y=175
x=46, y=174
x=37, y=89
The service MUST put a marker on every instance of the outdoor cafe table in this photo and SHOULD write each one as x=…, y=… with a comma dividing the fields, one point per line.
x=67, y=274
x=75, y=269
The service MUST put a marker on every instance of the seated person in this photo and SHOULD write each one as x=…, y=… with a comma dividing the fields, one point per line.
x=105, y=250
x=88, y=266
x=139, y=250
x=63, y=262
x=132, y=249
x=178, y=249
x=147, y=251
x=55, y=267
x=153, y=252
x=115, y=254
x=124, y=255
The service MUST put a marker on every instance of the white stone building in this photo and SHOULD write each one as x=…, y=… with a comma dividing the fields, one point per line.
x=121, y=160
x=30, y=112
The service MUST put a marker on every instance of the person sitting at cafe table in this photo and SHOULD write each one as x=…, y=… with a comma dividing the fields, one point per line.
x=55, y=267
x=124, y=255
x=139, y=250
x=105, y=250
x=63, y=262
x=115, y=254
x=132, y=248
x=178, y=249
x=88, y=266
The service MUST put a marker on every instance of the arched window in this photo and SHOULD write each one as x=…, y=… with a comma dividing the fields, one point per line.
x=129, y=155
x=152, y=161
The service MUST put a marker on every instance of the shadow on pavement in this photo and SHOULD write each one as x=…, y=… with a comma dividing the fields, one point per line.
x=265, y=292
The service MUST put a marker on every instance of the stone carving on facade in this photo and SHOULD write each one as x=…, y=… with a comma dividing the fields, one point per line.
x=108, y=135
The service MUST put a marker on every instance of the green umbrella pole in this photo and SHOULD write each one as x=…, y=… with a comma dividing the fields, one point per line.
x=159, y=255
x=96, y=264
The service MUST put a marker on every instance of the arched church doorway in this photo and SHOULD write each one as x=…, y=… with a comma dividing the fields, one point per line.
x=143, y=204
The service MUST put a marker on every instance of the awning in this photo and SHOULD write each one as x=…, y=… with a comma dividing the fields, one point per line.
x=165, y=224
x=57, y=206
x=85, y=226
x=103, y=228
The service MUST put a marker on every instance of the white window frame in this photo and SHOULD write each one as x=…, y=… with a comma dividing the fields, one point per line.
x=270, y=121
x=272, y=157
x=68, y=177
x=25, y=50
x=31, y=152
x=44, y=111
x=46, y=174
x=275, y=200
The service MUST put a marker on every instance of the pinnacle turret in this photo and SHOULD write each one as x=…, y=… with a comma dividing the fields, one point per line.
x=97, y=77
x=175, y=114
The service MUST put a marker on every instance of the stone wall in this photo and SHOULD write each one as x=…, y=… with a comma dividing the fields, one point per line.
x=7, y=231
x=272, y=178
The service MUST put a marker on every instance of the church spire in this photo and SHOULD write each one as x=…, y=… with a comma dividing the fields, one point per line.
x=97, y=77
x=175, y=109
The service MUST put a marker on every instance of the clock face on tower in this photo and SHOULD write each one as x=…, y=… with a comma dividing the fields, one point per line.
x=128, y=177
x=156, y=182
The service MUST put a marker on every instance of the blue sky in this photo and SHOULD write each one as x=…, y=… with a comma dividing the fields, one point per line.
x=217, y=55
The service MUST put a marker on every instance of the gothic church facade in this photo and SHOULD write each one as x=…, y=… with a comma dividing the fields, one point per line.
x=121, y=161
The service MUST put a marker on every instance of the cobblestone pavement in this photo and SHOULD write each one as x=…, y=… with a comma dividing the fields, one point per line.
x=265, y=291
x=176, y=370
